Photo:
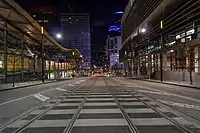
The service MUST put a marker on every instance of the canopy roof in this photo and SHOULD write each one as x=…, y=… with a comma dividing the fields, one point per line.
x=21, y=24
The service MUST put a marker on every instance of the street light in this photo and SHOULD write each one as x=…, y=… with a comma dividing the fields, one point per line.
x=58, y=36
x=143, y=30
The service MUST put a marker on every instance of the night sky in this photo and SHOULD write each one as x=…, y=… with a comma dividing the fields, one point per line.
x=101, y=11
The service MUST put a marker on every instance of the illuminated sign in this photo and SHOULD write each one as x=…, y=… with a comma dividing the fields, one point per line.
x=119, y=12
x=1, y=64
x=116, y=28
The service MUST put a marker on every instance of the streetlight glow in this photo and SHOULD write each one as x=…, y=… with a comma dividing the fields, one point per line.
x=59, y=36
x=143, y=30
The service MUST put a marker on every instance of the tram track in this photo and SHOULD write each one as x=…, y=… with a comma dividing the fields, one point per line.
x=179, y=127
x=101, y=106
x=59, y=99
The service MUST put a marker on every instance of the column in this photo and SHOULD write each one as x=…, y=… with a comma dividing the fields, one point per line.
x=5, y=52
x=42, y=56
x=132, y=66
x=58, y=69
x=22, y=60
x=61, y=69
x=49, y=69
x=139, y=65
x=34, y=62
x=149, y=66
x=54, y=65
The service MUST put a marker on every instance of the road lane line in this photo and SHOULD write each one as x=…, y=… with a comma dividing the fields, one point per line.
x=167, y=93
x=24, y=97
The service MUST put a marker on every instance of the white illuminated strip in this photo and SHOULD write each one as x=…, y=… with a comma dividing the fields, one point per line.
x=190, y=32
x=1, y=64
x=41, y=97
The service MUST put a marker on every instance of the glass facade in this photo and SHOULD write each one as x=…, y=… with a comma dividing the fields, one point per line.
x=177, y=43
x=76, y=34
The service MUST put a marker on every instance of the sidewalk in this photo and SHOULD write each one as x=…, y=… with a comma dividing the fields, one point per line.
x=5, y=87
x=177, y=83
x=9, y=86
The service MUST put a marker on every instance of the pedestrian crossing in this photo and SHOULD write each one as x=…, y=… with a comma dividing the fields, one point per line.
x=100, y=114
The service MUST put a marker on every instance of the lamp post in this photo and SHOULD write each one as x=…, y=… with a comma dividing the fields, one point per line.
x=144, y=30
x=161, y=52
x=42, y=53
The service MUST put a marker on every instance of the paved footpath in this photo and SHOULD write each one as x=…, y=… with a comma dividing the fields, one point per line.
x=100, y=107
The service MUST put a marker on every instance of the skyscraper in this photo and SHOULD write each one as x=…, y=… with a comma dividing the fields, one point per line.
x=76, y=33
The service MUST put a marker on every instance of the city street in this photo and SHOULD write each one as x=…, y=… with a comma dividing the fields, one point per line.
x=15, y=102
x=182, y=99
x=100, y=105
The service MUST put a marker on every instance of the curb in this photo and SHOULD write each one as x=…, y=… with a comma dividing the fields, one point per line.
x=19, y=87
x=181, y=85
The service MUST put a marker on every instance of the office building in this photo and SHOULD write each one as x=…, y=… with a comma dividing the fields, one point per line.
x=162, y=40
x=113, y=47
x=76, y=33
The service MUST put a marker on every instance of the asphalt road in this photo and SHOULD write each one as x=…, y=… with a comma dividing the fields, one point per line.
x=18, y=101
x=183, y=99
x=102, y=106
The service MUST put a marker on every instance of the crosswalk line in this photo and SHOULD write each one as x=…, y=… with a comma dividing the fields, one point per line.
x=100, y=122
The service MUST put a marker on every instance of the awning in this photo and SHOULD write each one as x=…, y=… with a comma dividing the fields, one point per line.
x=21, y=24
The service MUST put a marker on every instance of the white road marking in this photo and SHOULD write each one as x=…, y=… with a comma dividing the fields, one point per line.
x=55, y=112
x=99, y=111
x=41, y=97
x=155, y=91
x=17, y=99
x=78, y=82
x=190, y=106
x=60, y=89
x=100, y=122
x=71, y=85
x=100, y=104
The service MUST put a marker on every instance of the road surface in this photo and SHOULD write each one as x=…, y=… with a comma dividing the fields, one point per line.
x=102, y=105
